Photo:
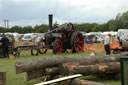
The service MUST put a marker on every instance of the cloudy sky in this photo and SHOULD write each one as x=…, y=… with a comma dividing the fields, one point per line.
x=32, y=12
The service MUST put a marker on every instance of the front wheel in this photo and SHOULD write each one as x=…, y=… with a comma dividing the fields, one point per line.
x=42, y=45
x=57, y=47
x=34, y=51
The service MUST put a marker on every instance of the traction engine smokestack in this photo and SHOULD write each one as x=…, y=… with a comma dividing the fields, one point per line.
x=50, y=22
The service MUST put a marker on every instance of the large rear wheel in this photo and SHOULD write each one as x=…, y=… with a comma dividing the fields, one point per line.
x=77, y=42
x=57, y=47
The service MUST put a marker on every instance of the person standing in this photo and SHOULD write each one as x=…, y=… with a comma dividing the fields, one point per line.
x=87, y=45
x=120, y=41
x=5, y=44
x=86, y=39
x=37, y=40
x=107, y=42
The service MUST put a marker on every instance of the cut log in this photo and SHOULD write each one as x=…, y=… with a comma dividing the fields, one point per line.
x=2, y=78
x=101, y=70
x=39, y=73
x=84, y=82
x=32, y=75
x=38, y=64
x=97, y=69
x=110, y=68
x=52, y=71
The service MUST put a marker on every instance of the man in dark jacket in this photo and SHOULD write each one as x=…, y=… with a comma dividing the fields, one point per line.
x=5, y=44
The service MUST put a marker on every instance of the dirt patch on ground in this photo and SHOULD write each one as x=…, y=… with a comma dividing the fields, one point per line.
x=87, y=47
x=94, y=47
x=100, y=47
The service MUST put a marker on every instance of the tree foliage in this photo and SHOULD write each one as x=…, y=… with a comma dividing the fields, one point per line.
x=2, y=30
x=41, y=28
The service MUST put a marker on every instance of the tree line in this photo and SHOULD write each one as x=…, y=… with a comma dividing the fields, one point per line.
x=120, y=22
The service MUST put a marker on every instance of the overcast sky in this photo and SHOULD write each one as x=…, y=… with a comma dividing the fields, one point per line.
x=32, y=12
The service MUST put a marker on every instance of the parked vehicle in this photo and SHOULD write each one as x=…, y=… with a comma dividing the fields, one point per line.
x=123, y=36
x=61, y=38
x=28, y=37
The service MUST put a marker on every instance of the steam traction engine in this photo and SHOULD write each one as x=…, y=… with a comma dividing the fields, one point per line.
x=59, y=39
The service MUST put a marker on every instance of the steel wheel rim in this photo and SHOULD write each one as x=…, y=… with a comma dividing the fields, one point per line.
x=79, y=42
x=42, y=45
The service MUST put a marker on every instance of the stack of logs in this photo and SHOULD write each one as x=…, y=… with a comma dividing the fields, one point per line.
x=105, y=66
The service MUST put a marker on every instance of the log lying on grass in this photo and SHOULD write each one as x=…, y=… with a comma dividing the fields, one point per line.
x=105, y=68
x=100, y=70
x=2, y=78
x=33, y=74
x=84, y=82
x=96, y=69
x=39, y=73
x=38, y=64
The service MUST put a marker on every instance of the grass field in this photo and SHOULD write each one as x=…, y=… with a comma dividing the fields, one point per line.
x=8, y=66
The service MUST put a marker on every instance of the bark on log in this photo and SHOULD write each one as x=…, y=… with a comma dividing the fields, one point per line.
x=32, y=75
x=84, y=82
x=39, y=73
x=32, y=65
x=97, y=69
x=2, y=78
x=72, y=68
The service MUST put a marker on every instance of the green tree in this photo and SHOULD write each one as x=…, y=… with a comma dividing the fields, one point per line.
x=41, y=28
x=16, y=29
x=124, y=20
x=2, y=30
x=28, y=29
